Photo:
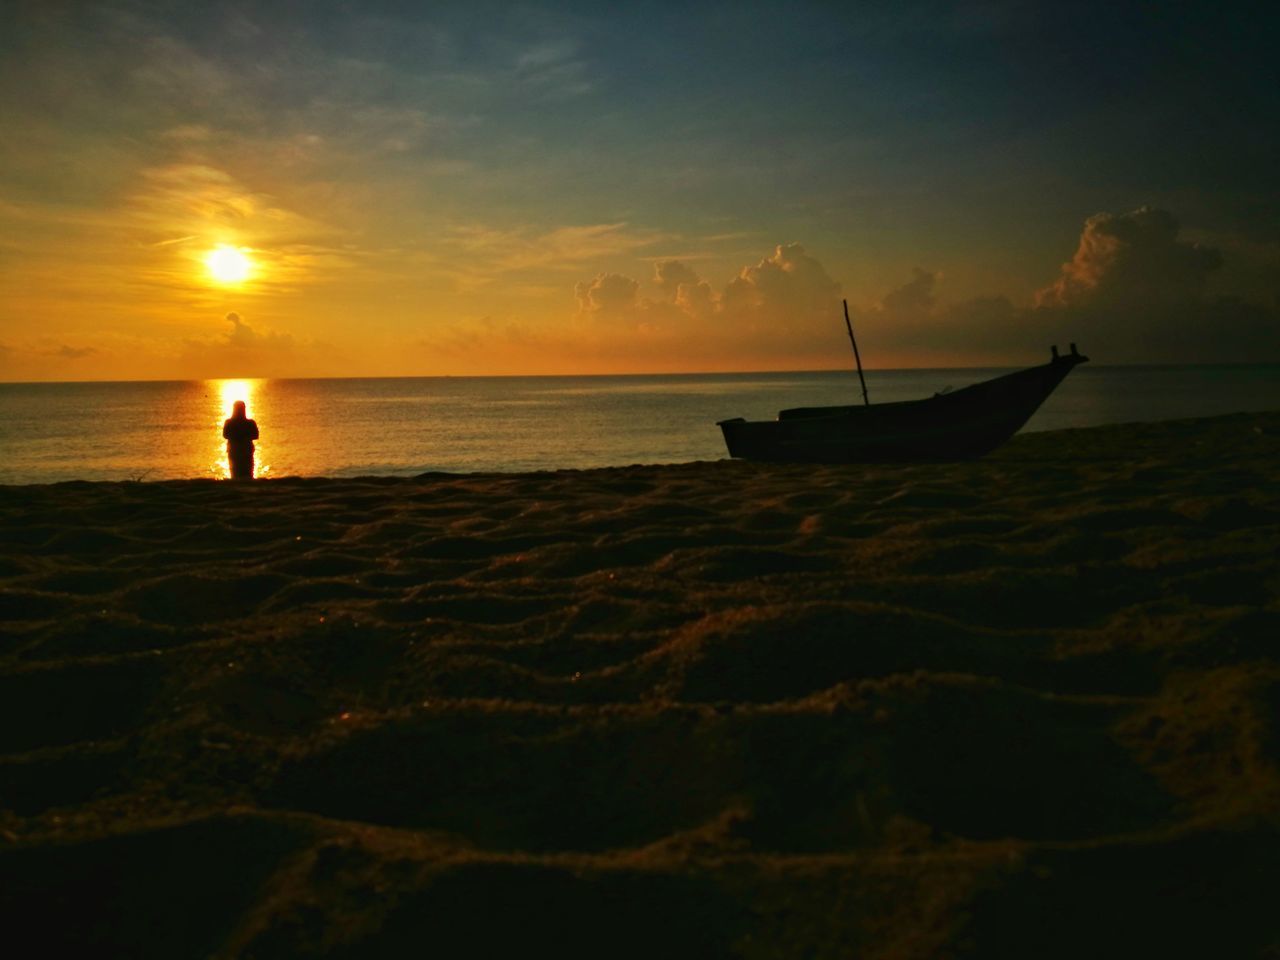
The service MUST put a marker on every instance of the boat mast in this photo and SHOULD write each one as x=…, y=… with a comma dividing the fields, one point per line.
x=849, y=326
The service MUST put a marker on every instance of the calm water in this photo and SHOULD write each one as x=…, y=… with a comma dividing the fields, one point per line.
x=115, y=431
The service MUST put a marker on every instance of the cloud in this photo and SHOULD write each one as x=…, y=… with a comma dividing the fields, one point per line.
x=179, y=211
x=38, y=358
x=782, y=307
x=914, y=299
x=244, y=337
x=670, y=274
x=1133, y=292
x=690, y=293
x=245, y=351
x=193, y=199
x=607, y=295
x=911, y=325
x=788, y=287
x=481, y=253
x=614, y=299
x=553, y=69
x=697, y=299
x=1131, y=258
x=73, y=353
x=1139, y=293
x=787, y=290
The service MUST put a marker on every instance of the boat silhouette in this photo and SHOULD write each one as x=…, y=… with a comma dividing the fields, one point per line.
x=958, y=425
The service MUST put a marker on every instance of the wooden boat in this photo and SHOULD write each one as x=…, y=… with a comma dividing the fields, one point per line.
x=947, y=426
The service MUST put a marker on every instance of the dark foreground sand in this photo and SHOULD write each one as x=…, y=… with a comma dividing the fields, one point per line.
x=1028, y=706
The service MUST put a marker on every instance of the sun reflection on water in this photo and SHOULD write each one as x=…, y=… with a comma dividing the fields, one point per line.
x=233, y=390
x=227, y=393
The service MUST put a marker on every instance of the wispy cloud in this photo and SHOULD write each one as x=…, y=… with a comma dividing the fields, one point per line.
x=553, y=69
x=478, y=254
x=68, y=352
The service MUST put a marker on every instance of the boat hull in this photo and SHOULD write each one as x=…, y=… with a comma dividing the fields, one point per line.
x=960, y=425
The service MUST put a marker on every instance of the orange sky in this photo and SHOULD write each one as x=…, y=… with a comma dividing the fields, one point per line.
x=421, y=196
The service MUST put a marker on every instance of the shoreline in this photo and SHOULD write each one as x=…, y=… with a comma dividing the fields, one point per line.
x=1001, y=454
x=1027, y=704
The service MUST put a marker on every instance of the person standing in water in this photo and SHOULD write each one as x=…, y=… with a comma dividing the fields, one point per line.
x=240, y=432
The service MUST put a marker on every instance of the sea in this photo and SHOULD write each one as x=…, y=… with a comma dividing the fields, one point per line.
x=52, y=432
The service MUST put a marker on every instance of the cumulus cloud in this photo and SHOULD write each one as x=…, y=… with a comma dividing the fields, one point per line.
x=615, y=299
x=1131, y=258
x=1139, y=292
x=670, y=274
x=681, y=285
x=608, y=294
x=1133, y=292
x=911, y=324
x=784, y=309
x=696, y=299
x=244, y=336
x=246, y=351
x=788, y=287
x=786, y=290
x=914, y=299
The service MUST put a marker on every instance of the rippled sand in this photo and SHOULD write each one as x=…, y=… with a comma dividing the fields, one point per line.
x=1026, y=706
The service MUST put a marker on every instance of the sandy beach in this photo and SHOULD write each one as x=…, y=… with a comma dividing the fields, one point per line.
x=1024, y=706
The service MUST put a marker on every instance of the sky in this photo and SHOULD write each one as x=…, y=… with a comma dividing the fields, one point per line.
x=560, y=188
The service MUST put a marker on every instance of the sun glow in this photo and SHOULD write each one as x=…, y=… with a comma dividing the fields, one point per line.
x=228, y=264
x=233, y=390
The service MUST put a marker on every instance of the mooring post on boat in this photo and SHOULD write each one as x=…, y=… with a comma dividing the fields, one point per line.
x=849, y=326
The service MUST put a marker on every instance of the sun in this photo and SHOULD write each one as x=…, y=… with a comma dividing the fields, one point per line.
x=228, y=264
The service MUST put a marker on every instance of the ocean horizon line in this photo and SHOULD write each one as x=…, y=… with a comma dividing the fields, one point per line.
x=585, y=376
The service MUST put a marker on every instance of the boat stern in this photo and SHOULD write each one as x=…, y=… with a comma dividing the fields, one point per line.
x=1072, y=358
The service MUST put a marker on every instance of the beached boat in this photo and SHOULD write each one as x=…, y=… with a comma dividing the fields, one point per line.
x=947, y=426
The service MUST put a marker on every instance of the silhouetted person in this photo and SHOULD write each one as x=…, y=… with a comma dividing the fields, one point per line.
x=240, y=432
